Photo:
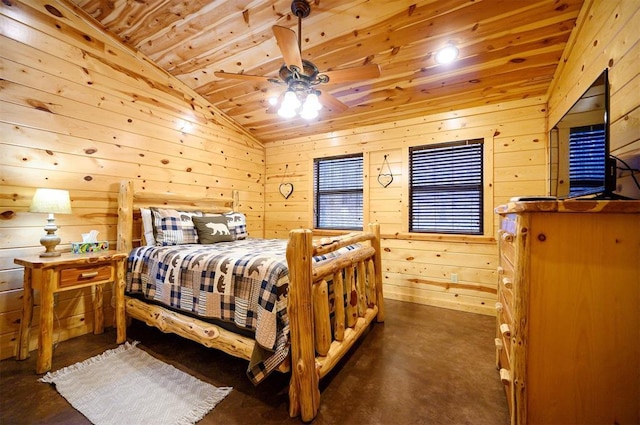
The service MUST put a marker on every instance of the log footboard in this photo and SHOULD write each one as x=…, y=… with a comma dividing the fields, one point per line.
x=317, y=344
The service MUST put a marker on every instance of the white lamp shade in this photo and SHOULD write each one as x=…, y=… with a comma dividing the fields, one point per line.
x=290, y=101
x=51, y=201
x=311, y=106
x=313, y=102
x=309, y=114
x=286, y=113
x=291, y=104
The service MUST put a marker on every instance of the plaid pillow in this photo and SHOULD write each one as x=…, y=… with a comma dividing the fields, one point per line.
x=172, y=227
x=237, y=223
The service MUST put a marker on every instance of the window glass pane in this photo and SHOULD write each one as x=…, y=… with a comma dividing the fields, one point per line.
x=446, y=188
x=338, y=192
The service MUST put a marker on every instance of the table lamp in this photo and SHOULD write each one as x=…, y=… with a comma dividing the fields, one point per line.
x=50, y=201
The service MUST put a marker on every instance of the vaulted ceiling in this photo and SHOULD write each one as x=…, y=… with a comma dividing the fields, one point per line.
x=509, y=50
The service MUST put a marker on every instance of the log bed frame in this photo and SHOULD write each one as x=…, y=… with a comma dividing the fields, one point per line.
x=316, y=347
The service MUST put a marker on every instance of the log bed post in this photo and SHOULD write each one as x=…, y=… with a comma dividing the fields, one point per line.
x=377, y=262
x=304, y=391
x=125, y=216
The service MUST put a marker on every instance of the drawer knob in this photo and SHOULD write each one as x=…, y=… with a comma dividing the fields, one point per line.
x=500, y=270
x=505, y=376
x=508, y=283
x=88, y=275
x=499, y=306
x=499, y=344
x=504, y=330
x=507, y=237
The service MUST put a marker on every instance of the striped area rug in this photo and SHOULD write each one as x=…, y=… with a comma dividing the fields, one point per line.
x=126, y=385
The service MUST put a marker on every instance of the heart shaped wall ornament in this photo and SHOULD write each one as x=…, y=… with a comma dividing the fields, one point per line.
x=385, y=179
x=286, y=189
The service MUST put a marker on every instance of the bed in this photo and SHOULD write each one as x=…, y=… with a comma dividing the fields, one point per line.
x=272, y=302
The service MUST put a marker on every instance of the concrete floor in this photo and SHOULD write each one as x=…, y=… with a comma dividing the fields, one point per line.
x=424, y=365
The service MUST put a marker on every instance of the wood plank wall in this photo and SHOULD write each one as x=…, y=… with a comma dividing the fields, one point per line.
x=78, y=111
x=419, y=269
x=607, y=36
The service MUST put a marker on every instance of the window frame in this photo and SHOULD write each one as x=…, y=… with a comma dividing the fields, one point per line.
x=316, y=193
x=483, y=187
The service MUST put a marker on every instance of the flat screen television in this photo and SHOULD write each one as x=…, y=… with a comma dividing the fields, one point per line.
x=581, y=163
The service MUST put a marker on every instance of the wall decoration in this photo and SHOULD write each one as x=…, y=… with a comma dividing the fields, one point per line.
x=286, y=189
x=385, y=179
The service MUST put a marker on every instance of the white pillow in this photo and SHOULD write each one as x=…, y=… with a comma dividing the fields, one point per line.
x=147, y=227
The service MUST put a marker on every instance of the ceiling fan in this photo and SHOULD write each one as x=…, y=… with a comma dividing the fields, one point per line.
x=301, y=76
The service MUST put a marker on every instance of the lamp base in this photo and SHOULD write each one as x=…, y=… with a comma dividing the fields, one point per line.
x=50, y=240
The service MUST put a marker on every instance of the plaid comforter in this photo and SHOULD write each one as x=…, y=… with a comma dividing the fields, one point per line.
x=244, y=282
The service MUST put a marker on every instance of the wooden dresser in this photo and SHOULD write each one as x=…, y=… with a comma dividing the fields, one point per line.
x=568, y=322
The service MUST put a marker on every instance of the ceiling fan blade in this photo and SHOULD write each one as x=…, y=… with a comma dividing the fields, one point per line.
x=288, y=44
x=356, y=73
x=332, y=103
x=242, y=76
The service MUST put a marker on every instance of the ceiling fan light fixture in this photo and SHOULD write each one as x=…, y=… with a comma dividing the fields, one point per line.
x=447, y=54
x=312, y=101
x=309, y=113
x=301, y=76
x=311, y=106
x=290, y=105
x=290, y=101
x=285, y=112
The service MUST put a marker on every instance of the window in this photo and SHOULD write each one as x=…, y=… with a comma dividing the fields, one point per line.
x=586, y=159
x=337, y=183
x=446, y=188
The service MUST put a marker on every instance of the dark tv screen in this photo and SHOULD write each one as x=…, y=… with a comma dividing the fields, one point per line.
x=581, y=163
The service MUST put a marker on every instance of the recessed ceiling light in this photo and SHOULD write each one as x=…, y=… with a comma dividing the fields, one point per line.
x=447, y=54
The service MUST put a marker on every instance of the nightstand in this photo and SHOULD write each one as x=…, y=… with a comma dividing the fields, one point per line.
x=66, y=272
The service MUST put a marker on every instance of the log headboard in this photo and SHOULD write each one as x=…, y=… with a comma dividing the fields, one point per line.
x=130, y=202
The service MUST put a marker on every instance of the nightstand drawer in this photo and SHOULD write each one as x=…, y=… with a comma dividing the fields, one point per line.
x=85, y=275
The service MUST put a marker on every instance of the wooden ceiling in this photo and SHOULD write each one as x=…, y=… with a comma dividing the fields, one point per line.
x=509, y=50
